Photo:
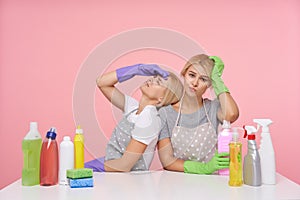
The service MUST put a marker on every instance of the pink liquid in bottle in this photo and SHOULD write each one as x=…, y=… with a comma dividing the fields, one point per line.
x=49, y=160
x=224, y=139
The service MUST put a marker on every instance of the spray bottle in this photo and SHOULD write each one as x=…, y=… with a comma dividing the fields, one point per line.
x=66, y=159
x=79, y=148
x=266, y=152
x=49, y=160
x=31, y=147
x=224, y=139
x=252, y=168
x=235, y=160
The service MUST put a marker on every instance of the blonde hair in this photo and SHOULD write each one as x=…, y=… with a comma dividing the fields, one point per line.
x=200, y=62
x=174, y=90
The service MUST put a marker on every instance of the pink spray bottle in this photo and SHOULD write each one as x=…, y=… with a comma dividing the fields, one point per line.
x=224, y=138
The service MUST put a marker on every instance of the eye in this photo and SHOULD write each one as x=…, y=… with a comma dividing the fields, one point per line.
x=191, y=75
x=203, y=79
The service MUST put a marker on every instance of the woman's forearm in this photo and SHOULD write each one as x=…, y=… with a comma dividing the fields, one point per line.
x=229, y=110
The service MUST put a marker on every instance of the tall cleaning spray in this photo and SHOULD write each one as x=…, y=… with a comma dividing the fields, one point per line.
x=224, y=139
x=79, y=148
x=266, y=152
x=235, y=160
x=31, y=147
x=252, y=167
x=49, y=160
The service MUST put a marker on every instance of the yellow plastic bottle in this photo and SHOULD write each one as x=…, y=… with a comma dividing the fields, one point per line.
x=79, y=148
x=235, y=161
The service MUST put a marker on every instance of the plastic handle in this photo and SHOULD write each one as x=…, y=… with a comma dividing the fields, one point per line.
x=245, y=132
x=250, y=137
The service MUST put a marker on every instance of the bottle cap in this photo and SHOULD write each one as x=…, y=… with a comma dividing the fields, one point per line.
x=51, y=133
x=235, y=134
x=226, y=124
x=67, y=138
x=79, y=130
x=33, y=133
x=33, y=125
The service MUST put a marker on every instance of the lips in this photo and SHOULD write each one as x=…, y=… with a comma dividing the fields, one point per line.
x=192, y=89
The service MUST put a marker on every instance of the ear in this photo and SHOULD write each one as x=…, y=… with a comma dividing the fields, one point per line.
x=159, y=100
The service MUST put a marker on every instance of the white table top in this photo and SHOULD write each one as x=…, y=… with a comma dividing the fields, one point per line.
x=155, y=185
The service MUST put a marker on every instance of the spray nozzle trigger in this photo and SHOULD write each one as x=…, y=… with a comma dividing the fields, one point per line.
x=245, y=132
x=249, y=131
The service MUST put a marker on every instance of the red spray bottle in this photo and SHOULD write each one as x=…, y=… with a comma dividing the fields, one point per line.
x=49, y=160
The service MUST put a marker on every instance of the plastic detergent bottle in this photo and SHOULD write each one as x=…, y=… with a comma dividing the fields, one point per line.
x=266, y=152
x=31, y=147
x=49, y=160
x=66, y=159
x=79, y=148
x=224, y=138
x=252, y=168
x=235, y=160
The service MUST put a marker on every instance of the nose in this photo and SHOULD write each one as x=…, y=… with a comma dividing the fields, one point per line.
x=195, y=82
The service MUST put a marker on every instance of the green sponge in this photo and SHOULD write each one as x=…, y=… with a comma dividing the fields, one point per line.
x=79, y=173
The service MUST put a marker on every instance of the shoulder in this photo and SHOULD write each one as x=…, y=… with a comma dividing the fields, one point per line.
x=148, y=115
x=130, y=104
x=166, y=110
x=212, y=103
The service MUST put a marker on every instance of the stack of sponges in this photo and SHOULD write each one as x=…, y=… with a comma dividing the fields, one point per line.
x=80, y=178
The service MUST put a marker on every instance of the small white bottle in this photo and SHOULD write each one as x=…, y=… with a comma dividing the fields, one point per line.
x=266, y=152
x=66, y=159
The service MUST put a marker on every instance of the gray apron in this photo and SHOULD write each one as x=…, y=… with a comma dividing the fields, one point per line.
x=196, y=144
x=119, y=141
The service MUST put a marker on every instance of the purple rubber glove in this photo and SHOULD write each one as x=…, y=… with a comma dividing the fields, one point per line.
x=128, y=72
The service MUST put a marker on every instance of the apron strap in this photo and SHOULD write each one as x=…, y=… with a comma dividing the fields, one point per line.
x=179, y=110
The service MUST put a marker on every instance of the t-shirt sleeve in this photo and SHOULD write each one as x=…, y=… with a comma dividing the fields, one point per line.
x=147, y=126
x=164, y=132
x=130, y=104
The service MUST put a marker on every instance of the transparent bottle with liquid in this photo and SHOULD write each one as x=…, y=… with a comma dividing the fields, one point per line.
x=79, y=148
x=31, y=147
x=235, y=160
x=49, y=160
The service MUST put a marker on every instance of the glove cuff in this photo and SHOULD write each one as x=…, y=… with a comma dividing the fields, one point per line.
x=193, y=167
x=126, y=73
x=219, y=86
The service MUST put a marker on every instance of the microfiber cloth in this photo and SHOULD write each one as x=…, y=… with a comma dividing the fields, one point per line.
x=81, y=183
x=79, y=173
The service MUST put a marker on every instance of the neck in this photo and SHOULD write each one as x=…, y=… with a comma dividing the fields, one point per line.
x=191, y=103
x=145, y=102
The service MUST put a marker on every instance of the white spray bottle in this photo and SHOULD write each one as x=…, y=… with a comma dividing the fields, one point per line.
x=266, y=152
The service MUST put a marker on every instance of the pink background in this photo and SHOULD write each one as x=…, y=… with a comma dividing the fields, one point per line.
x=43, y=45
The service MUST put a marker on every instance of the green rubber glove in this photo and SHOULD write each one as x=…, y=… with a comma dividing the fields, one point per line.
x=217, y=82
x=219, y=161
